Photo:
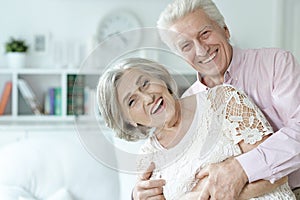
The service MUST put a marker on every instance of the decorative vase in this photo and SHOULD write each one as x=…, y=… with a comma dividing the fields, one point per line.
x=16, y=59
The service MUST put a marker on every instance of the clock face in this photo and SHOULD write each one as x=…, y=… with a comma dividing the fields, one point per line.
x=119, y=27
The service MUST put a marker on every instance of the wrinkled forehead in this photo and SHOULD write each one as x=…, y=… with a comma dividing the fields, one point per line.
x=187, y=27
x=127, y=82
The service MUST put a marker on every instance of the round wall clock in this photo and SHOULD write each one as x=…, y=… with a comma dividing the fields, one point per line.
x=122, y=26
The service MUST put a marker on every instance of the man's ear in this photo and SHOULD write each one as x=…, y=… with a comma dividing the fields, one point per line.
x=227, y=32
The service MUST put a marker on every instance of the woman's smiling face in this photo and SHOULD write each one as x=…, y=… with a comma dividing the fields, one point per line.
x=145, y=100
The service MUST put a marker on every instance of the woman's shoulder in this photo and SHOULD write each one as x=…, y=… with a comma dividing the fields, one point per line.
x=223, y=88
x=221, y=92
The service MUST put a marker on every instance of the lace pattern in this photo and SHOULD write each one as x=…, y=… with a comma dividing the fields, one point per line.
x=243, y=120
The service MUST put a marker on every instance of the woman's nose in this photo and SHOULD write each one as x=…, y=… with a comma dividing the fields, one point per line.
x=147, y=98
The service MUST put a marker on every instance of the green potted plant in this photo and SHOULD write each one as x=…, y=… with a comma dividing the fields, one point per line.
x=16, y=52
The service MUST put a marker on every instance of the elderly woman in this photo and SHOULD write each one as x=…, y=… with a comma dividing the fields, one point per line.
x=138, y=100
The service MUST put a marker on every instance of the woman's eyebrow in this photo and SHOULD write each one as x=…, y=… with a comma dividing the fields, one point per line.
x=138, y=80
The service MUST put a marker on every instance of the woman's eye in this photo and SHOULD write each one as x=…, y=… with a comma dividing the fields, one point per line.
x=146, y=82
x=131, y=102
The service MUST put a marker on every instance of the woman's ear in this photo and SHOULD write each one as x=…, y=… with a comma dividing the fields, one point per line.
x=133, y=124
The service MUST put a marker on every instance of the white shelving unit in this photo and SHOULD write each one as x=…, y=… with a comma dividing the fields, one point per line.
x=40, y=80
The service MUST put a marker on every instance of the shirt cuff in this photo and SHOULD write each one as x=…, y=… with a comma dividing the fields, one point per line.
x=255, y=166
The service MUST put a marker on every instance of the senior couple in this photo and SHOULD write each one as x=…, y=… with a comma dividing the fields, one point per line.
x=255, y=93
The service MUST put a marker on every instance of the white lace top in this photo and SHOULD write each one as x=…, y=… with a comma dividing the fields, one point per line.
x=223, y=118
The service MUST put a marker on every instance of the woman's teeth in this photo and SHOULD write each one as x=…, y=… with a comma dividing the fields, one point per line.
x=157, y=106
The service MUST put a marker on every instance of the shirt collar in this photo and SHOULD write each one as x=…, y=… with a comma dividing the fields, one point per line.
x=234, y=64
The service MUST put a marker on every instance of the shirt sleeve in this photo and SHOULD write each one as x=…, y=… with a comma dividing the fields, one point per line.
x=279, y=155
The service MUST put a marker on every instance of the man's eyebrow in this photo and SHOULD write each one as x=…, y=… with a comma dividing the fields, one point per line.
x=138, y=80
x=182, y=38
x=204, y=27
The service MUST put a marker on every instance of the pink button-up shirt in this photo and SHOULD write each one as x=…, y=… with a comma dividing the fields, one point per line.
x=271, y=78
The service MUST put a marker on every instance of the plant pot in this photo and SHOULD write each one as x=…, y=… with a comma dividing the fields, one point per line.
x=16, y=59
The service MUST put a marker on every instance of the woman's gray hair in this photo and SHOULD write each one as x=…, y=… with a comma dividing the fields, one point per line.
x=107, y=97
x=180, y=8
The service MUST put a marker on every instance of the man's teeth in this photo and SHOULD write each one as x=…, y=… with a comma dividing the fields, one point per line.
x=209, y=58
x=157, y=106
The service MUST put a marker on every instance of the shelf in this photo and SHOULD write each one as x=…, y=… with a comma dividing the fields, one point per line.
x=49, y=71
x=41, y=82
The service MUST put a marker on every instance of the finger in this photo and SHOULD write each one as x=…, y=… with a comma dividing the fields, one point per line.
x=204, y=194
x=152, y=183
x=147, y=174
x=200, y=185
x=202, y=173
x=159, y=197
x=153, y=192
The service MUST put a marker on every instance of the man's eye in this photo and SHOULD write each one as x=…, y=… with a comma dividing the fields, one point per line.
x=186, y=47
x=205, y=35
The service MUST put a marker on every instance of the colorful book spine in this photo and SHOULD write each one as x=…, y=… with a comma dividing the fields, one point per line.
x=51, y=92
x=57, y=101
x=53, y=99
x=75, y=95
x=70, y=84
x=5, y=96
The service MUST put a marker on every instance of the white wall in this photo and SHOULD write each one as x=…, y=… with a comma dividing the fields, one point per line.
x=71, y=23
x=66, y=21
x=267, y=23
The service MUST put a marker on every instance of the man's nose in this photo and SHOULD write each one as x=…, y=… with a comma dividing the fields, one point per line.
x=201, y=49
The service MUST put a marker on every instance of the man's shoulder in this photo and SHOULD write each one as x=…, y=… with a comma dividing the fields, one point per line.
x=195, y=88
x=265, y=51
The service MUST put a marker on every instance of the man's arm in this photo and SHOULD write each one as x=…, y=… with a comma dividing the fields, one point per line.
x=279, y=155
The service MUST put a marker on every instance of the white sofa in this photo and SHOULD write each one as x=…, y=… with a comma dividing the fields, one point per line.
x=57, y=168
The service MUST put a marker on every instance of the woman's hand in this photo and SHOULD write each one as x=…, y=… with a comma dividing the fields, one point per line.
x=146, y=189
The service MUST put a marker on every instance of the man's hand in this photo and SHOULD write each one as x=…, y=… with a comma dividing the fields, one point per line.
x=148, y=189
x=225, y=181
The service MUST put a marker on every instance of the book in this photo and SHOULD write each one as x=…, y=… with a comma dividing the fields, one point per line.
x=5, y=96
x=75, y=94
x=29, y=96
x=52, y=103
x=57, y=101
